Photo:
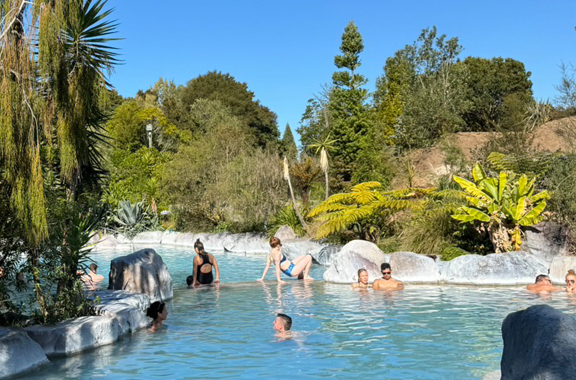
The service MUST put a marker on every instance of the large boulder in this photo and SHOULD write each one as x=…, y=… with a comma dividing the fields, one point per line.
x=510, y=268
x=560, y=266
x=143, y=271
x=547, y=240
x=323, y=255
x=415, y=268
x=285, y=233
x=355, y=255
x=247, y=243
x=148, y=237
x=539, y=344
x=128, y=308
x=76, y=335
x=294, y=248
x=19, y=353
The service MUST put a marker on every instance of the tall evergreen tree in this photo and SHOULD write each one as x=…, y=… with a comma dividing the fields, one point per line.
x=289, y=145
x=349, y=112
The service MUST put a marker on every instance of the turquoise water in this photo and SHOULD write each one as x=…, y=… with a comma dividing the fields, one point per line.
x=423, y=332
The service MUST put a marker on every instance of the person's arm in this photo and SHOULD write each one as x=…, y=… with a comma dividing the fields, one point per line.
x=400, y=285
x=215, y=264
x=194, y=271
x=265, y=269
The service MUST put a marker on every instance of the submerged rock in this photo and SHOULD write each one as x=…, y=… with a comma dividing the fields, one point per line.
x=539, y=344
x=355, y=255
x=143, y=271
x=415, y=268
x=510, y=268
x=19, y=353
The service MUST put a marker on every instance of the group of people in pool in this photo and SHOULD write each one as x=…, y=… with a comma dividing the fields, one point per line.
x=384, y=283
x=543, y=284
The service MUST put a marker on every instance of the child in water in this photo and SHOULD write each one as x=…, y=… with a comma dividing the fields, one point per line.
x=157, y=311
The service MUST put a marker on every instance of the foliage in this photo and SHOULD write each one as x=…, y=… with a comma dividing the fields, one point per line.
x=286, y=217
x=131, y=219
x=289, y=145
x=501, y=205
x=450, y=253
x=349, y=112
x=305, y=173
x=364, y=209
x=559, y=180
x=239, y=101
x=316, y=120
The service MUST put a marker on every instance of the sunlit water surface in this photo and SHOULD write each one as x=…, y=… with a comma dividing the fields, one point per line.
x=423, y=332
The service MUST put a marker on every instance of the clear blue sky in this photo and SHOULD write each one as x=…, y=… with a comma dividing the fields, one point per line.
x=284, y=50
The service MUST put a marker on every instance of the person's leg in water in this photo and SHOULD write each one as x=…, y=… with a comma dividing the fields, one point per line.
x=302, y=265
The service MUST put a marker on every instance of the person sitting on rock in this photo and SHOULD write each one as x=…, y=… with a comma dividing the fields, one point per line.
x=571, y=281
x=387, y=282
x=282, y=324
x=362, y=280
x=542, y=285
x=92, y=279
x=158, y=312
x=295, y=268
x=202, y=267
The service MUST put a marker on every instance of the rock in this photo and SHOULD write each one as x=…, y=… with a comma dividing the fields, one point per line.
x=179, y=238
x=294, y=248
x=129, y=318
x=324, y=255
x=355, y=255
x=19, y=353
x=247, y=243
x=494, y=375
x=559, y=267
x=143, y=271
x=105, y=241
x=148, y=237
x=285, y=233
x=547, y=240
x=137, y=300
x=412, y=267
x=73, y=336
x=539, y=344
x=510, y=268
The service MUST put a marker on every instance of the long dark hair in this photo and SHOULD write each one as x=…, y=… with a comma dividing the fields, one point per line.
x=199, y=246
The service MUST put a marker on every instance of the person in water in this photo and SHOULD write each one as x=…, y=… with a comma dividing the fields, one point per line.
x=299, y=267
x=362, y=280
x=92, y=279
x=387, y=282
x=158, y=312
x=571, y=281
x=542, y=284
x=282, y=325
x=202, y=267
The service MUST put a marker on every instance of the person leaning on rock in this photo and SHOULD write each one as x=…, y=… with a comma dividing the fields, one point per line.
x=387, y=282
x=542, y=285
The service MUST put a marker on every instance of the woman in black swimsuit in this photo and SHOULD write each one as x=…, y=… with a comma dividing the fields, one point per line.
x=202, y=266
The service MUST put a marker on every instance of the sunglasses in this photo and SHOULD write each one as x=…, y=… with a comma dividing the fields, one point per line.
x=570, y=281
x=385, y=273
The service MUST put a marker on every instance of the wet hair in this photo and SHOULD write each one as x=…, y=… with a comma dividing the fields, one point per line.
x=541, y=277
x=385, y=266
x=286, y=321
x=198, y=245
x=189, y=280
x=275, y=242
x=155, y=309
x=93, y=267
x=360, y=271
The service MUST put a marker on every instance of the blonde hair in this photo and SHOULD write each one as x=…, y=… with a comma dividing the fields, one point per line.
x=570, y=273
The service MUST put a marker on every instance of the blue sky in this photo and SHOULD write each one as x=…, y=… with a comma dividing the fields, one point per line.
x=284, y=50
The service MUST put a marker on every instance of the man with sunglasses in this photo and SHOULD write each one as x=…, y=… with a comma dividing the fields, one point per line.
x=387, y=282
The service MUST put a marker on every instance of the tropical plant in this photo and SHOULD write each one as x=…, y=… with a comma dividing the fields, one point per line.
x=323, y=147
x=365, y=208
x=501, y=206
x=286, y=173
x=131, y=219
x=286, y=217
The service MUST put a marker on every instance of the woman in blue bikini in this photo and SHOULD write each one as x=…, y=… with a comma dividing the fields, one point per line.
x=299, y=266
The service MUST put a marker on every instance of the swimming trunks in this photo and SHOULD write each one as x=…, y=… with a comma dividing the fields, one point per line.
x=204, y=278
x=288, y=271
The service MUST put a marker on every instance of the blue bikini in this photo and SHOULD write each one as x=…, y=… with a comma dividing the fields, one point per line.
x=287, y=272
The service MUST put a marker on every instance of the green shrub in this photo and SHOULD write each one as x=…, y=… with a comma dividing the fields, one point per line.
x=286, y=216
x=450, y=253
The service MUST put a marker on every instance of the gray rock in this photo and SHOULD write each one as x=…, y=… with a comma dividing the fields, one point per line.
x=294, y=248
x=143, y=271
x=73, y=336
x=559, y=267
x=247, y=243
x=324, y=255
x=129, y=318
x=148, y=237
x=355, y=255
x=107, y=297
x=539, y=344
x=285, y=233
x=510, y=268
x=415, y=268
x=547, y=240
x=19, y=353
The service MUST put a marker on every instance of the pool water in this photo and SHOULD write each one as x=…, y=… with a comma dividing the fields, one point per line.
x=423, y=332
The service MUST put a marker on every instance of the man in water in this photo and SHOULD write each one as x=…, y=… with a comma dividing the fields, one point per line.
x=387, y=282
x=282, y=324
x=542, y=285
x=92, y=279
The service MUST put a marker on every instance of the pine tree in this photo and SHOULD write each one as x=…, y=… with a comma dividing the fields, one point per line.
x=289, y=145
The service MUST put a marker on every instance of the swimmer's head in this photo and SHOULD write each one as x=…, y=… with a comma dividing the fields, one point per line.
x=282, y=322
x=362, y=276
x=542, y=279
x=275, y=242
x=198, y=246
x=155, y=309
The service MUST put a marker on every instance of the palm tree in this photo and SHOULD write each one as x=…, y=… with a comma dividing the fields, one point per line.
x=323, y=147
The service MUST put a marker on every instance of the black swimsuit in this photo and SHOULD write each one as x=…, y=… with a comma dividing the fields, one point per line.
x=204, y=278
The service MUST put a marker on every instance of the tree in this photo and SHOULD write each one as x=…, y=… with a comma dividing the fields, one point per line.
x=348, y=110
x=238, y=99
x=316, y=120
x=323, y=147
x=500, y=91
x=289, y=145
